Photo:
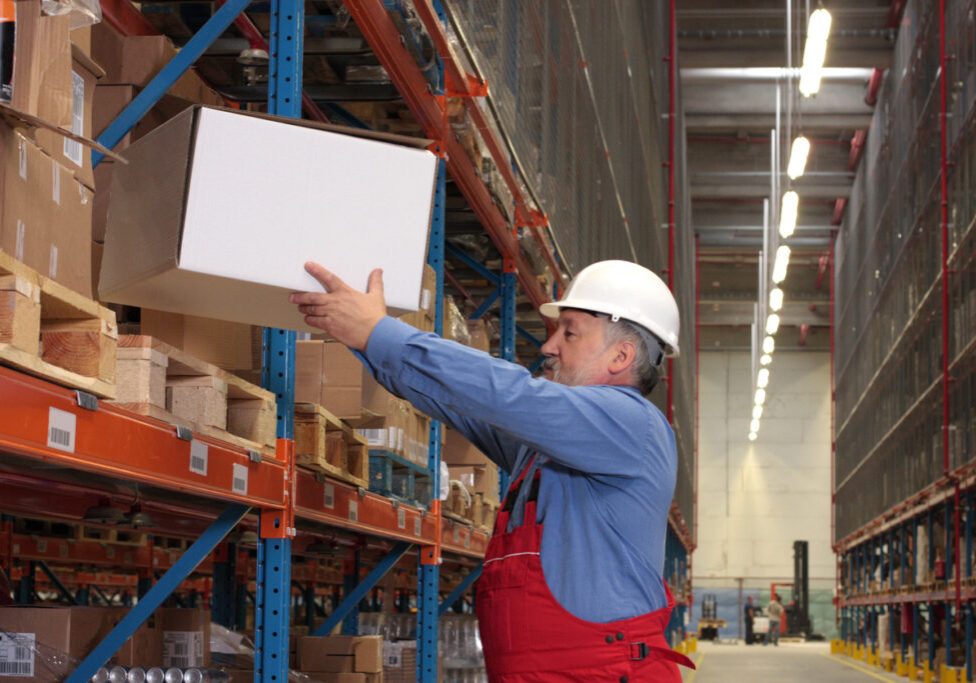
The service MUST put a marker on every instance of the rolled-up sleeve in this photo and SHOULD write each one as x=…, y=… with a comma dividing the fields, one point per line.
x=499, y=405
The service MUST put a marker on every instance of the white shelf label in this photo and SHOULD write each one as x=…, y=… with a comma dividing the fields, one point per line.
x=457, y=533
x=328, y=496
x=17, y=654
x=401, y=518
x=239, y=484
x=353, y=510
x=418, y=526
x=467, y=538
x=199, y=456
x=42, y=545
x=61, y=430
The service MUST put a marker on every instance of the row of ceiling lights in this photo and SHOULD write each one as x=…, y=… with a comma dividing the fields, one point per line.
x=814, y=53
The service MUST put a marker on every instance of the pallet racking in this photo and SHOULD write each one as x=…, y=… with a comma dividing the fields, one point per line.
x=116, y=453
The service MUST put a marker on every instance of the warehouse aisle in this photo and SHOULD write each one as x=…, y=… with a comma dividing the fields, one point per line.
x=795, y=663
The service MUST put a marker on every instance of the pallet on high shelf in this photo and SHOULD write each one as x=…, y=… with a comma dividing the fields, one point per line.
x=114, y=536
x=484, y=512
x=326, y=444
x=459, y=505
x=160, y=381
x=393, y=475
x=54, y=333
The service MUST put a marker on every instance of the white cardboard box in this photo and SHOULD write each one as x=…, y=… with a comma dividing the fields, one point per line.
x=217, y=212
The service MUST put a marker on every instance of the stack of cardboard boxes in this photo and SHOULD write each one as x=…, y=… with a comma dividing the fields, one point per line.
x=477, y=473
x=341, y=659
x=45, y=643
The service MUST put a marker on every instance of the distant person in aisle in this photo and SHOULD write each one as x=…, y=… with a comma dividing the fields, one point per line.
x=572, y=585
x=775, y=613
x=749, y=615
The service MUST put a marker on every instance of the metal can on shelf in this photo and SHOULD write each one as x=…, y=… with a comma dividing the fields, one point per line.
x=136, y=675
x=100, y=676
x=117, y=674
x=173, y=675
x=155, y=675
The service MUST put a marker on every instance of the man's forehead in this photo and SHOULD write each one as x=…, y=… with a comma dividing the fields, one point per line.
x=579, y=317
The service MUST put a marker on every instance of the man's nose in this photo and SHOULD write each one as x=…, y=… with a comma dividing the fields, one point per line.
x=549, y=348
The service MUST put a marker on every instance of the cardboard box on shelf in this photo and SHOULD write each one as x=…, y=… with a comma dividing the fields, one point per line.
x=46, y=213
x=34, y=640
x=399, y=661
x=481, y=479
x=144, y=648
x=478, y=334
x=460, y=451
x=82, y=39
x=323, y=677
x=329, y=375
x=42, y=70
x=186, y=636
x=69, y=153
x=366, y=653
x=231, y=346
x=197, y=244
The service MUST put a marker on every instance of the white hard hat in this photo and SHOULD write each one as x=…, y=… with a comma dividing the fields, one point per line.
x=622, y=289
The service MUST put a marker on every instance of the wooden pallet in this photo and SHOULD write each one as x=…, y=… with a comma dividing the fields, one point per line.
x=160, y=381
x=460, y=505
x=484, y=512
x=326, y=444
x=114, y=536
x=54, y=333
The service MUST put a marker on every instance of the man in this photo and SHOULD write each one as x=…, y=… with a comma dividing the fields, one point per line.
x=593, y=462
x=749, y=613
x=775, y=612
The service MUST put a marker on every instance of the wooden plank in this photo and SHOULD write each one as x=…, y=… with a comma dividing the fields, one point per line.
x=52, y=332
x=164, y=415
x=324, y=443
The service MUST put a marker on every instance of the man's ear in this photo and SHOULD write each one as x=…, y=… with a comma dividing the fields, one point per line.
x=624, y=356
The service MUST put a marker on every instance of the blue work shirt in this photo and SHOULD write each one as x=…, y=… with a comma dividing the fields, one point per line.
x=609, y=462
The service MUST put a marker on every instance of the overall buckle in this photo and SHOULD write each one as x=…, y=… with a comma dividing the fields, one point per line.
x=639, y=651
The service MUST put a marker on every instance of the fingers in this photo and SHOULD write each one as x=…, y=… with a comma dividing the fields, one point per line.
x=329, y=280
x=314, y=310
x=316, y=321
x=310, y=298
x=375, y=284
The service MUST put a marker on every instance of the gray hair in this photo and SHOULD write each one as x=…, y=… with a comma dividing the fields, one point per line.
x=650, y=352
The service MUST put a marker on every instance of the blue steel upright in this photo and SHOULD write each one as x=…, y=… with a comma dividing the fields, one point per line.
x=273, y=599
x=506, y=319
x=428, y=589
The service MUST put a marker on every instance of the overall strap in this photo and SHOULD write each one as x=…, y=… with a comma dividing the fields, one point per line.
x=523, y=491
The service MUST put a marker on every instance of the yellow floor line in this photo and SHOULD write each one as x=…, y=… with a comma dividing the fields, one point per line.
x=864, y=671
x=694, y=672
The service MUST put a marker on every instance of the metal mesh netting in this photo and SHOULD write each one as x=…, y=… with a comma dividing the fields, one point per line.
x=888, y=278
x=581, y=89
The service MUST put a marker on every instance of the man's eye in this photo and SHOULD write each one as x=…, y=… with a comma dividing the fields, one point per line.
x=570, y=334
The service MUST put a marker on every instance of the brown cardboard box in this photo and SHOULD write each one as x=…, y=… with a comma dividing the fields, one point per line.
x=144, y=648
x=329, y=375
x=42, y=70
x=240, y=675
x=71, y=154
x=478, y=332
x=460, y=451
x=135, y=60
x=366, y=651
x=481, y=479
x=399, y=662
x=231, y=346
x=56, y=631
x=323, y=677
x=186, y=636
x=82, y=38
x=46, y=213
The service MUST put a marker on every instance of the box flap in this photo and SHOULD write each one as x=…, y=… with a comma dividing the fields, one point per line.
x=78, y=55
x=18, y=118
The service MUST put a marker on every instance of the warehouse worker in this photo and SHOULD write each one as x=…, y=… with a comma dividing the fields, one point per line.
x=775, y=611
x=593, y=462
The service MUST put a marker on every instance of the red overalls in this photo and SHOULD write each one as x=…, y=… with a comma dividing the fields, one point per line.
x=529, y=637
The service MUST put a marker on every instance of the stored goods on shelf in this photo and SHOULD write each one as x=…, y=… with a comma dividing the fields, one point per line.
x=341, y=654
x=54, y=333
x=230, y=346
x=168, y=384
x=329, y=375
x=182, y=236
x=186, y=636
x=325, y=444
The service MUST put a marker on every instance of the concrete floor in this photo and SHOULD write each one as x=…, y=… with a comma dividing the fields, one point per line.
x=799, y=662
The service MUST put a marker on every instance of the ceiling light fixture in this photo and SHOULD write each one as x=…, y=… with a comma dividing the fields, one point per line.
x=760, y=396
x=757, y=412
x=787, y=215
x=752, y=436
x=781, y=264
x=762, y=380
x=772, y=324
x=776, y=299
x=814, y=52
x=769, y=345
x=754, y=426
x=765, y=359
x=798, y=157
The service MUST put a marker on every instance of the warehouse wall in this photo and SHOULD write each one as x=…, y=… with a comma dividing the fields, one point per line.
x=756, y=498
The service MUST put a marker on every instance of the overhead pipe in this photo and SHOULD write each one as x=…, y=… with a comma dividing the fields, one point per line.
x=672, y=69
x=857, y=149
x=874, y=85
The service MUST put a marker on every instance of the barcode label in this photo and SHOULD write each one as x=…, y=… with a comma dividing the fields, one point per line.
x=353, y=511
x=61, y=430
x=392, y=655
x=328, y=497
x=21, y=237
x=418, y=526
x=401, y=518
x=199, y=455
x=240, y=479
x=73, y=150
x=182, y=649
x=17, y=654
x=425, y=300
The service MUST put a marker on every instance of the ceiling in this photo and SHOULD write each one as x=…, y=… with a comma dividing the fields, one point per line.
x=734, y=58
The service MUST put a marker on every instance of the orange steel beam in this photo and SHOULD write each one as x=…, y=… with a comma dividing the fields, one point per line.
x=119, y=444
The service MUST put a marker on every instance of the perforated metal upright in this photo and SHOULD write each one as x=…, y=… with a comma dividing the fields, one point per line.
x=273, y=609
x=429, y=571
